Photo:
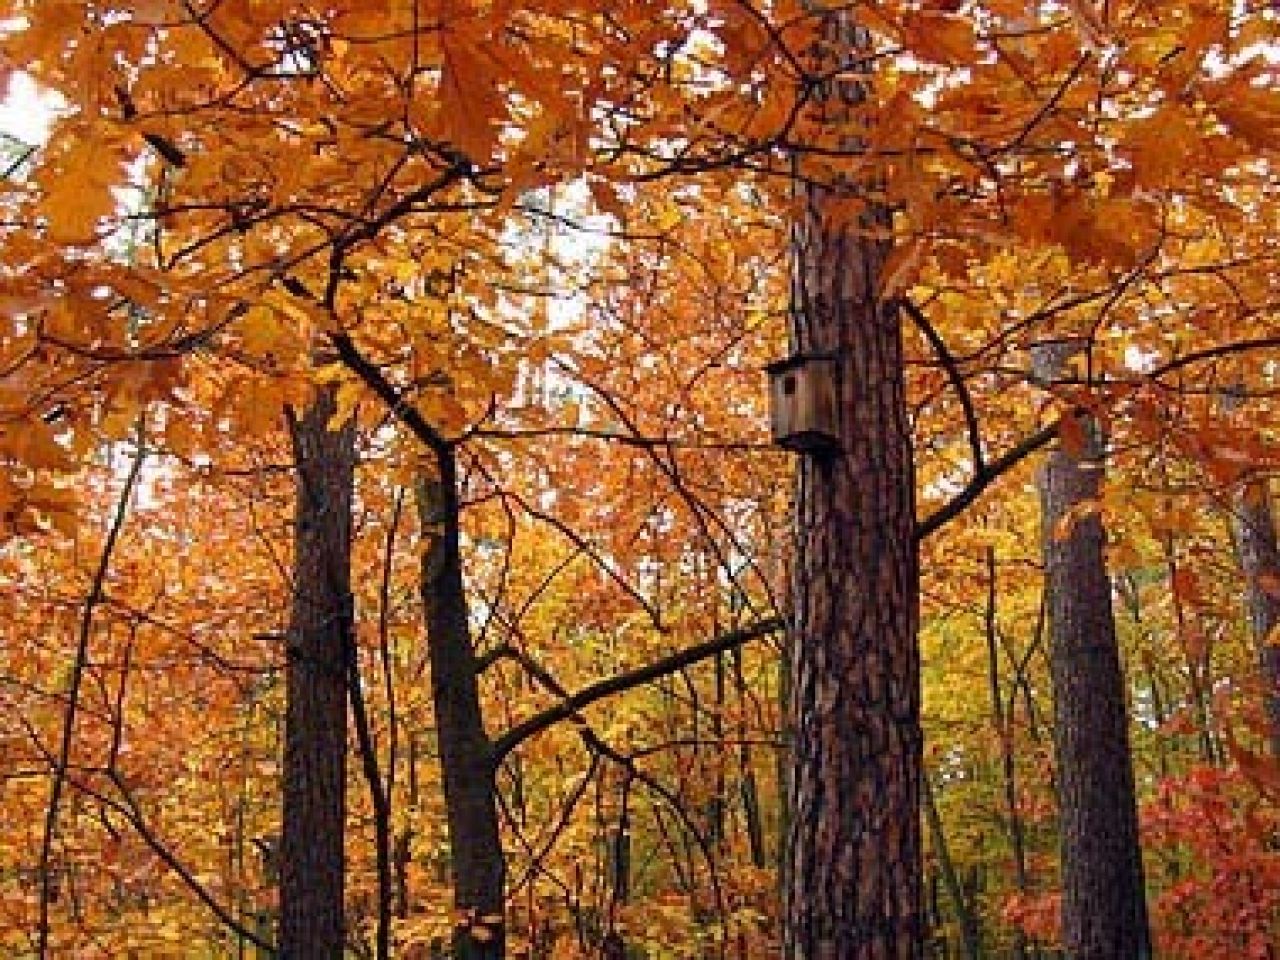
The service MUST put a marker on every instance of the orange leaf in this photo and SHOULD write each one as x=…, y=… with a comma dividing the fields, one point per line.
x=472, y=103
x=1251, y=113
x=79, y=194
x=1186, y=586
x=1063, y=529
x=941, y=37
x=606, y=198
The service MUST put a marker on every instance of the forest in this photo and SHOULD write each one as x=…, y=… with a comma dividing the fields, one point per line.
x=656, y=480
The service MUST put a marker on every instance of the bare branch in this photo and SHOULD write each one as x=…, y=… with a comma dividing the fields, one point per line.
x=91, y=601
x=983, y=479
x=573, y=704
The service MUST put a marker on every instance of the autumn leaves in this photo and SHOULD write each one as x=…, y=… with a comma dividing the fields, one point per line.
x=551, y=247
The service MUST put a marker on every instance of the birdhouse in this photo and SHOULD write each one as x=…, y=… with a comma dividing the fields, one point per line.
x=803, y=404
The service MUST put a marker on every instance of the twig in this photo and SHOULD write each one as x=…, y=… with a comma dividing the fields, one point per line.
x=974, y=488
x=91, y=602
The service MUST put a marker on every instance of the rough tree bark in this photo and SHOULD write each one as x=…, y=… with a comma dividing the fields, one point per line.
x=1104, y=910
x=852, y=864
x=1253, y=528
x=466, y=754
x=1255, y=535
x=318, y=647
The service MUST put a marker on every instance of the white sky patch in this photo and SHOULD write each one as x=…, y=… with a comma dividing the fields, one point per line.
x=25, y=112
x=1143, y=361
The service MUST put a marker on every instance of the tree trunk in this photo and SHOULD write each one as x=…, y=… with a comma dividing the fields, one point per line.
x=748, y=787
x=1254, y=527
x=1003, y=721
x=852, y=863
x=466, y=754
x=1104, y=912
x=319, y=645
x=1198, y=661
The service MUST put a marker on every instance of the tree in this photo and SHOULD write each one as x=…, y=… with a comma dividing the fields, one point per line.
x=1255, y=534
x=1253, y=528
x=401, y=184
x=319, y=650
x=852, y=884
x=466, y=754
x=1104, y=911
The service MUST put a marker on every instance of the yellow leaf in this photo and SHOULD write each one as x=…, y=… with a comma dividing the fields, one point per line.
x=668, y=217
x=262, y=334
x=308, y=314
x=329, y=373
x=347, y=400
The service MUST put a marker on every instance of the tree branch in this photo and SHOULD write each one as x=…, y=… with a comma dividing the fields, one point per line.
x=983, y=479
x=572, y=705
x=955, y=376
x=91, y=601
x=400, y=407
x=129, y=809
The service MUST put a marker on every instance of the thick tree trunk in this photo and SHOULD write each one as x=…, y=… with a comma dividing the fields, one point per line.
x=466, y=754
x=1104, y=911
x=319, y=645
x=852, y=863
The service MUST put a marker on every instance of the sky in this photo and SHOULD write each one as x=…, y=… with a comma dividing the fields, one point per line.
x=23, y=112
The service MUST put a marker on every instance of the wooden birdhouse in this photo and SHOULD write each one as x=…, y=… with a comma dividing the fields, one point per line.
x=803, y=404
